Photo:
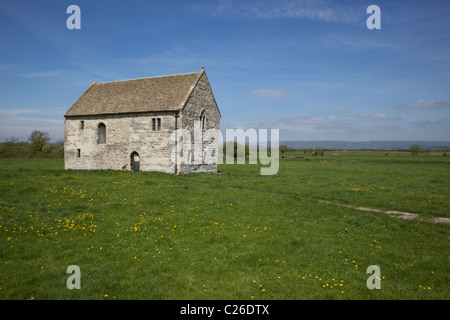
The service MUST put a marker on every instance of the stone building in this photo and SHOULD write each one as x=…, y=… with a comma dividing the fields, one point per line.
x=132, y=124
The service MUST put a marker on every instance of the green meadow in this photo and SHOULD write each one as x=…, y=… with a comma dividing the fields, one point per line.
x=232, y=235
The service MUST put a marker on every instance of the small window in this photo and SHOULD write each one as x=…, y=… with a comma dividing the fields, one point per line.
x=78, y=153
x=156, y=124
x=203, y=120
x=101, y=133
x=82, y=125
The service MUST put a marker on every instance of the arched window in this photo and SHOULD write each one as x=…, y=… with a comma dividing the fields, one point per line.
x=101, y=133
x=203, y=120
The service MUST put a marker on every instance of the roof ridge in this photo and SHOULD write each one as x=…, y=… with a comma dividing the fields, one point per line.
x=159, y=93
x=163, y=76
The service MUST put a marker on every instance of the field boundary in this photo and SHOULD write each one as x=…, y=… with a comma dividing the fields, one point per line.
x=391, y=213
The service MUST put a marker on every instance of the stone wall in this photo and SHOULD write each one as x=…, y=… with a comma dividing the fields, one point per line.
x=125, y=134
x=201, y=99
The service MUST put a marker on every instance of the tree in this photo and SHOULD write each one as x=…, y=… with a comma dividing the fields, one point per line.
x=39, y=135
x=10, y=142
x=283, y=148
x=37, y=145
x=415, y=149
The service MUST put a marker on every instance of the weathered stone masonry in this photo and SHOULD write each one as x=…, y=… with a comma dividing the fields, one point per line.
x=140, y=116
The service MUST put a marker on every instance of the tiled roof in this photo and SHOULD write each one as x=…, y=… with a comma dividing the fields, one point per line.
x=164, y=93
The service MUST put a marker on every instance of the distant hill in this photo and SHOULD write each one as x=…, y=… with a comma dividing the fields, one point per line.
x=376, y=145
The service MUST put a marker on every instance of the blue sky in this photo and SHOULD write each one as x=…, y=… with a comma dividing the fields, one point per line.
x=309, y=68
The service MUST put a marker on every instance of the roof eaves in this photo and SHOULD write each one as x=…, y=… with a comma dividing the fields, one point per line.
x=119, y=113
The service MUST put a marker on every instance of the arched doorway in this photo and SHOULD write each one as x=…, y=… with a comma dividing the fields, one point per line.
x=135, y=162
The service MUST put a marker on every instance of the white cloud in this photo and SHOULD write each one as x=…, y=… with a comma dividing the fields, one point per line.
x=14, y=112
x=43, y=120
x=50, y=73
x=326, y=123
x=424, y=104
x=429, y=121
x=6, y=67
x=295, y=119
x=268, y=94
x=377, y=116
x=386, y=127
x=322, y=10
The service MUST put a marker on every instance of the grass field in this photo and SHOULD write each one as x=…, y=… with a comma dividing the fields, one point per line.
x=232, y=235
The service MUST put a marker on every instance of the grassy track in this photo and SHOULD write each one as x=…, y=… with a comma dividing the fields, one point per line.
x=234, y=235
